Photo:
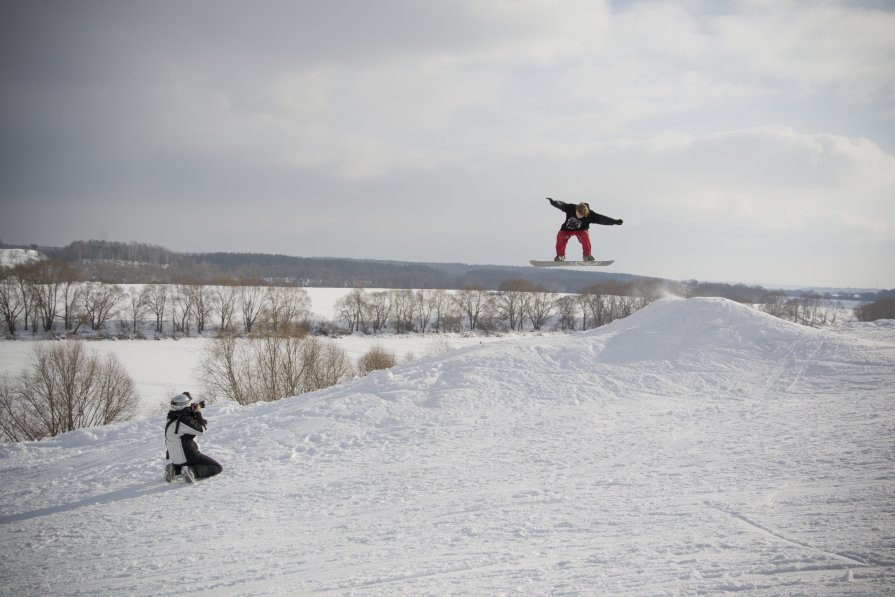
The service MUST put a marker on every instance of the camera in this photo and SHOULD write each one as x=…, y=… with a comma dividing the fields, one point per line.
x=201, y=403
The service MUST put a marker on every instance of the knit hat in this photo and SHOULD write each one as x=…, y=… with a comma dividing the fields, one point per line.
x=180, y=401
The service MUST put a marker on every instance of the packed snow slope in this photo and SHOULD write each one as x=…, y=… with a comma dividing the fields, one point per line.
x=697, y=446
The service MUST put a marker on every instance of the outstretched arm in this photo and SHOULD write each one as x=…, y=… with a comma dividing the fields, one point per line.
x=557, y=204
x=596, y=218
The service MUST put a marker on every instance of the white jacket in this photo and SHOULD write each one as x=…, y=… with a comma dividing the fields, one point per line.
x=180, y=439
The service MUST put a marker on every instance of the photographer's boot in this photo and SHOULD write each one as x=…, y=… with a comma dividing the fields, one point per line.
x=169, y=473
x=188, y=474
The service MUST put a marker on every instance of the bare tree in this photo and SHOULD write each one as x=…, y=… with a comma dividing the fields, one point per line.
x=71, y=292
x=277, y=366
x=11, y=301
x=425, y=307
x=404, y=308
x=26, y=292
x=137, y=302
x=268, y=367
x=286, y=311
x=201, y=305
x=593, y=307
x=540, y=308
x=182, y=309
x=774, y=303
x=513, y=300
x=811, y=310
x=19, y=420
x=567, y=309
x=622, y=306
x=224, y=300
x=99, y=302
x=378, y=310
x=352, y=309
x=442, y=307
x=472, y=301
x=325, y=365
x=226, y=372
x=47, y=279
x=251, y=301
x=156, y=302
x=66, y=388
x=452, y=315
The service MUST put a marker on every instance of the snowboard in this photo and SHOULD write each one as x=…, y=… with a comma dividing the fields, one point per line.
x=552, y=263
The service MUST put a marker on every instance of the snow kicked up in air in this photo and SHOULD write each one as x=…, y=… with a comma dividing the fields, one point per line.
x=697, y=446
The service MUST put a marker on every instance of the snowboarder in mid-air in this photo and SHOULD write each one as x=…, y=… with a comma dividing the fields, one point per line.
x=578, y=220
x=185, y=422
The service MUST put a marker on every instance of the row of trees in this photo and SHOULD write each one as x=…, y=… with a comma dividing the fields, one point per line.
x=122, y=263
x=883, y=308
x=518, y=305
x=98, y=250
x=48, y=297
x=811, y=309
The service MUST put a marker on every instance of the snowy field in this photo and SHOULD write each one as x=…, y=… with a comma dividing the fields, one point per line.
x=695, y=447
x=166, y=367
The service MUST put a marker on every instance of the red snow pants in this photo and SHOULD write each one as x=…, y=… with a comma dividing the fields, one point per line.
x=562, y=239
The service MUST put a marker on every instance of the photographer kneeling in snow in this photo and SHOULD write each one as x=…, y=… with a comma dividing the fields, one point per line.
x=185, y=422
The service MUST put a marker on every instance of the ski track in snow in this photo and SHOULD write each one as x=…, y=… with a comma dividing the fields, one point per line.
x=696, y=447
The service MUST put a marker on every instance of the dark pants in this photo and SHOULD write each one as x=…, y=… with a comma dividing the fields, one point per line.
x=205, y=466
x=202, y=465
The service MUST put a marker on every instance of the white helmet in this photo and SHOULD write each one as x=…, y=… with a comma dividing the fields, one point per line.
x=180, y=401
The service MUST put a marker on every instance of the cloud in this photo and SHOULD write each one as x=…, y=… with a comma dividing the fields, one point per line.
x=763, y=121
x=769, y=175
x=823, y=44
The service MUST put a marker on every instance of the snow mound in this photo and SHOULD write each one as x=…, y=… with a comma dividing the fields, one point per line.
x=683, y=331
x=697, y=446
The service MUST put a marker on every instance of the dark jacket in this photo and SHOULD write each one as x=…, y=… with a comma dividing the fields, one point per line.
x=573, y=222
x=180, y=435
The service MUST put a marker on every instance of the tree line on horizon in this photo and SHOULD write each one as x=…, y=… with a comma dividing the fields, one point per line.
x=61, y=305
x=74, y=294
x=132, y=262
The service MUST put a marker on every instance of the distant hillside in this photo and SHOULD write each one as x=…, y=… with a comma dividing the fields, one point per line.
x=18, y=257
x=118, y=262
x=338, y=272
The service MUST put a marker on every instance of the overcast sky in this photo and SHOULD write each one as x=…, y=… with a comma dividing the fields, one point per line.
x=747, y=141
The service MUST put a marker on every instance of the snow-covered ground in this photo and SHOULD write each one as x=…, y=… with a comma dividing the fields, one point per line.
x=16, y=257
x=696, y=447
x=165, y=367
x=162, y=368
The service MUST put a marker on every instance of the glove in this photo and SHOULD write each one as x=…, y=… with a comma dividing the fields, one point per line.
x=619, y=222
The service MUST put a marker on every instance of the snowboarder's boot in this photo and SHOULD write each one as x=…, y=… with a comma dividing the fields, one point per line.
x=170, y=473
x=188, y=474
x=589, y=258
x=559, y=258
